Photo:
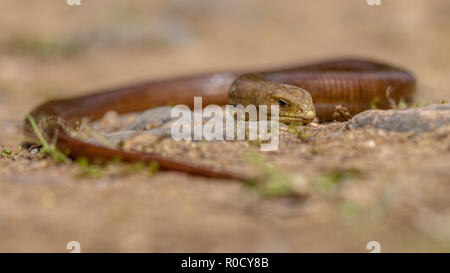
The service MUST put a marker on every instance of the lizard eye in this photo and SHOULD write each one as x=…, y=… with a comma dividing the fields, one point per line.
x=282, y=103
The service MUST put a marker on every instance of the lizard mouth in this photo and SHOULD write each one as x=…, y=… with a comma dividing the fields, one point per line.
x=307, y=118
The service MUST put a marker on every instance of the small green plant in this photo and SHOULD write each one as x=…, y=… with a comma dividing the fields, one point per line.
x=121, y=144
x=444, y=101
x=138, y=167
x=402, y=104
x=256, y=143
x=116, y=159
x=318, y=150
x=293, y=128
x=273, y=182
x=42, y=47
x=329, y=181
x=131, y=168
x=5, y=152
x=154, y=167
x=135, y=167
x=348, y=209
x=373, y=104
x=89, y=170
x=47, y=149
x=97, y=169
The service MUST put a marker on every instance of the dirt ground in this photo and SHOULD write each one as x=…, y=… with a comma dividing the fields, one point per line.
x=354, y=186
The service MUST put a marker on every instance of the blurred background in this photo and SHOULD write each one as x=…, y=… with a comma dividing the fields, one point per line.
x=49, y=49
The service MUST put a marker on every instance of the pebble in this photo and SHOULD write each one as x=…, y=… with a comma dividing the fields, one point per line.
x=415, y=120
x=34, y=151
x=117, y=137
x=151, y=118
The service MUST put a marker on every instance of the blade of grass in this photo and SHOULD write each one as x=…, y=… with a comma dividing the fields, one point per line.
x=37, y=132
x=46, y=149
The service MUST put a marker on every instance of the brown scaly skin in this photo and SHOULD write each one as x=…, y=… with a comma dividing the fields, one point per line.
x=354, y=84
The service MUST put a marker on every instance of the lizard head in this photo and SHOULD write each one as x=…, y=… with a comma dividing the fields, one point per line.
x=295, y=104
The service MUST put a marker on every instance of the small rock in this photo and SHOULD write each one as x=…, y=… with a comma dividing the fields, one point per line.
x=109, y=120
x=34, y=150
x=225, y=127
x=117, y=137
x=138, y=141
x=416, y=120
x=150, y=119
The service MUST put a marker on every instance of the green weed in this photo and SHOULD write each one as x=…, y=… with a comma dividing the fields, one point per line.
x=330, y=180
x=47, y=149
x=273, y=181
x=5, y=152
x=89, y=170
